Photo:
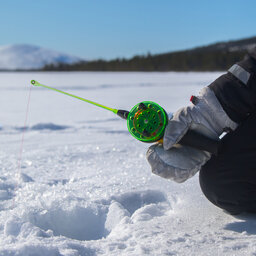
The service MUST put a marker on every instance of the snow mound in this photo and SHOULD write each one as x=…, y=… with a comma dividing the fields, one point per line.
x=24, y=57
x=116, y=213
x=25, y=178
x=133, y=201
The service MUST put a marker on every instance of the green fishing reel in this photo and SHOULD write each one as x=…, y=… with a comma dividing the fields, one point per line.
x=147, y=121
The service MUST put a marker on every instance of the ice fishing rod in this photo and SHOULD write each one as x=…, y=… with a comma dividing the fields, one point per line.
x=147, y=121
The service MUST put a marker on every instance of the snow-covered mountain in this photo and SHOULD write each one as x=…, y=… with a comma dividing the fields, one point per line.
x=13, y=57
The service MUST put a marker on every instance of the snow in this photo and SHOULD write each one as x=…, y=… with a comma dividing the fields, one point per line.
x=85, y=187
x=24, y=57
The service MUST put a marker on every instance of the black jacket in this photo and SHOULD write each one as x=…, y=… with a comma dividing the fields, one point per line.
x=236, y=90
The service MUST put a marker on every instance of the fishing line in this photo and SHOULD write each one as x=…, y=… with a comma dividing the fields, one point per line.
x=19, y=160
x=24, y=129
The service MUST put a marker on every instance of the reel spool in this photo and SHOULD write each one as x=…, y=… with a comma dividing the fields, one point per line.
x=147, y=121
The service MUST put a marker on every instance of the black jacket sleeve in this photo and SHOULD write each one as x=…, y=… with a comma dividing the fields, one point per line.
x=236, y=90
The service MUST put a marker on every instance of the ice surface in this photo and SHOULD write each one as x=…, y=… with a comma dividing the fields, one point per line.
x=85, y=187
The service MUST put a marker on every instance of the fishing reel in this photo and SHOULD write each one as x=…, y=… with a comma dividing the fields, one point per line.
x=146, y=121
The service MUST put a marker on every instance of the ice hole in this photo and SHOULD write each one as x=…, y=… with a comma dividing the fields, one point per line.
x=94, y=222
x=77, y=223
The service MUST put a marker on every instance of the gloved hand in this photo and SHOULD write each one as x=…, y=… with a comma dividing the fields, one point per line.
x=206, y=116
x=177, y=162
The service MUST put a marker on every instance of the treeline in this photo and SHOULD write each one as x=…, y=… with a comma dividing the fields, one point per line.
x=179, y=61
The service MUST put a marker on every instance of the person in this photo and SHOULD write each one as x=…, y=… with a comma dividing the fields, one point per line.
x=227, y=179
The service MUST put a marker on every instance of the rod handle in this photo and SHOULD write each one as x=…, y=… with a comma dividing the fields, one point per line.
x=200, y=141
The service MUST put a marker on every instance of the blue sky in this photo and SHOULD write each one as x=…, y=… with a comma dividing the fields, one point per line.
x=122, y=28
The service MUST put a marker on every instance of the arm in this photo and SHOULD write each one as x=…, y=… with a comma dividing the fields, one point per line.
x=236, y=90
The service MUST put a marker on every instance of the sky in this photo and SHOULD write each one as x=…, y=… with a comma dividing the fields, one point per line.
x=108, y=29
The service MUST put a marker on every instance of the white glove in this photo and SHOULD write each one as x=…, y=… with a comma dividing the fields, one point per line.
x=206, y=116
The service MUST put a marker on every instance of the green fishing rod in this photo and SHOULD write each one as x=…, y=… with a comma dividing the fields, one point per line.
x=35, y=83
x=147, y=121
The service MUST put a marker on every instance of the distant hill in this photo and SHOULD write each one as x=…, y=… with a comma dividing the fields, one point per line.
x=27, y=57
x=213, y=57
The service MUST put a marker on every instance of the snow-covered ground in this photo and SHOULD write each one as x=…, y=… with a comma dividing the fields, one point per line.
x=85, y=187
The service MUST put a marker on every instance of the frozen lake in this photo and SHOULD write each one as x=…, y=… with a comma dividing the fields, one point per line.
x=85, y=187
